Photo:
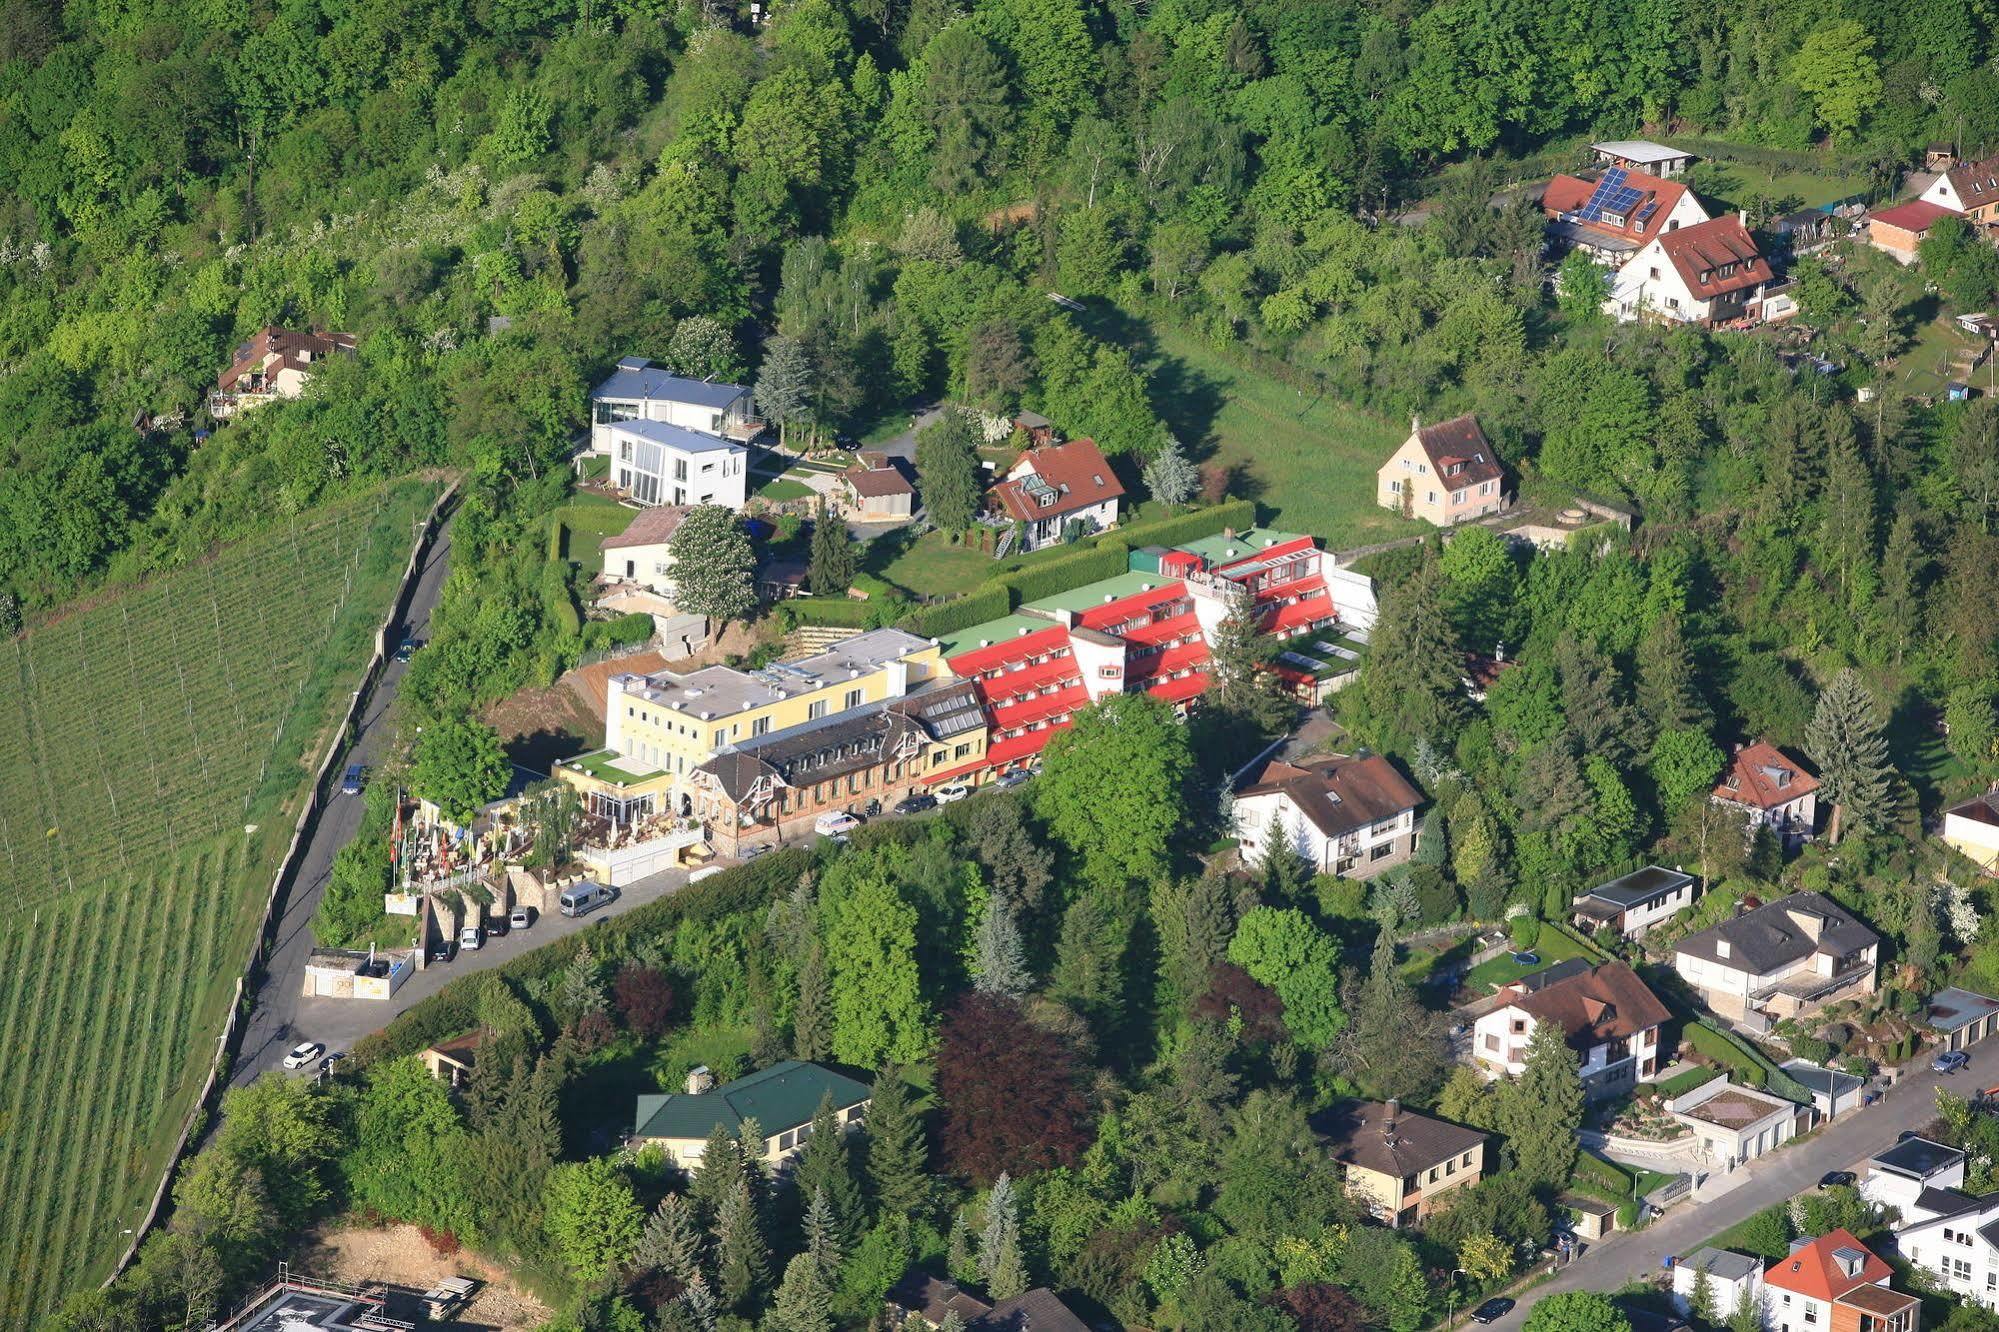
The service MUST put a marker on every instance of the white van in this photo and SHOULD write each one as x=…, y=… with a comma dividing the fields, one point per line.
x=583, y=899
x=705, y=872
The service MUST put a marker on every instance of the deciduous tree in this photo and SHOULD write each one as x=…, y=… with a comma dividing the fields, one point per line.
x=1009, y=1091
x=714, y=568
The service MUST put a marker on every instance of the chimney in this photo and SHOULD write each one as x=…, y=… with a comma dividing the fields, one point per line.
x=1389, y=1115
x=700, y=1079
x=1415, y=423
x=1742, y=216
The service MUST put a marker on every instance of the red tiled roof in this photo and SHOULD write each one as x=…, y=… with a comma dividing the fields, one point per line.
x=1265, y=554
x=1173, y=626
x=1748, y=780
x=1701, y=251
x=1107, y=615
x=1565, y=194
x=1459, y=443
x=974, y=660
x=1299, y=614
x=290, y=347
x=1917, y=216
x=1180, y=690
x=1338, y=795
x=1009, y=685
x=1171, y=660
x=1076, y=470
x=650, y=528
x=1605, y=1003
x=1812, y=1269
x=1002, y=752
x=1041, y=708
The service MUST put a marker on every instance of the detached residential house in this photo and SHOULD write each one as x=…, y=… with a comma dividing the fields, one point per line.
x=276, y=363
x=1835, y=1284
x=782, y=1099
x=1971, y=828
x=638, y=390
x=1643, y=155
x=1707, y=273
x=1404, y=1164
x=1047, y=489
x=1899, y=230
x=1445, y=474
x=1774, y=790
x=1353, y=817
x=1734, y=1125
x=1917, y=1179
x=1780, y=960
x=1954, y=1237
x=1969, y=188
x=642, y=554
x=874, y=490
x=653, y=462
x=1636, y=902
x=1614, y=213
x=1605, y=1012
x=1731, y=1278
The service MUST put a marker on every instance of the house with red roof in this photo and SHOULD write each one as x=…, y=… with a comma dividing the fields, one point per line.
x=1773, y=789
x=1049, y=488
x=1898, y=231
x=1606, y=1015
x=1353, y=817
x=273, y=364
x=1707, y=273
x=1614, y=213
x=1835, y=1284
x=1969, y=189
x=1445, y=474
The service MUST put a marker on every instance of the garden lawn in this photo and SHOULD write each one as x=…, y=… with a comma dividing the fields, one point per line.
x=782, y=488
x=585, y=522
x=1926, y=366
x=1553, y=946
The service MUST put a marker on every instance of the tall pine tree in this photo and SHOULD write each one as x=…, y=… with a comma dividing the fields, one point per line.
x=998, y=957
x=831, y=571
x=742, y=1258
x=1413, y=679
x=1170, y=477
x=897, y=1151
x=826, y=1166
x=784, y=385
x=1541, y=1111
x=1667, y=693
x=1847, y=740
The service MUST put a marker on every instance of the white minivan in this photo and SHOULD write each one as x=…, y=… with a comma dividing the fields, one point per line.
x=583, y=899
x=471, y=938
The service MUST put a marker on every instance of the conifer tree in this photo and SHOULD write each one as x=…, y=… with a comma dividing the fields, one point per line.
x=1000, y=961
x=831, y=571
x=699, y=1302
x=897, y=1152
x=1284, y=870
x=824, y=1166
x=1846, y=510
x=1667, y=694
x=1413, y=678
x=721, y=1170
x=742, y=1258
x=1897, y=616
x=959, y=1258
x=1593, y=701
x=1847, y=741
x=822, y=1235
x=1002, y=1267
x=1541, y=1112
x=1170, y=477
x=1391, y=1045
x=672, y=1242
x=784, y=385
x=812, y=1018
x=804, y=1299
x=1700, y=1305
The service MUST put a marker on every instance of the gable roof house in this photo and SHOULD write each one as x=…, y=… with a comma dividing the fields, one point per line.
x=642, y=554
x=638, y=390
x=1608, y=1016
x=275, y=363
x=875, y=490
x=1445, y=474
x=657, y=462
x=1352, y=817
x=1899, y=230
x=782, y=1099
x=1779, y=960
x=1614, y=213
x=1046, y=489
x=1635, y=902
x=1971, y=828
x=1835, y=1283
x=1969, y=188
x=1706, y=273
x=1772, y=789
x=1731, y=1278
x=1402, y=1163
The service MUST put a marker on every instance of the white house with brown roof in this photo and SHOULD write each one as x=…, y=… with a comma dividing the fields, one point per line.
x=1401, y=1164
x=1970, y=188
x=1445, y=474
x=1779, y=960
x=1773, y=789
x=1047, y=489
x=642, y=554
x=1353, y=817
x=1971, y=828
x=1607, y=1015
x=1835, y=1284
x=273, y=364
x=1614, y=213
x=1706, y=273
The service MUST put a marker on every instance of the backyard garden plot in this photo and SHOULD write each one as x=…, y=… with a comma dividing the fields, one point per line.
x=157, y=720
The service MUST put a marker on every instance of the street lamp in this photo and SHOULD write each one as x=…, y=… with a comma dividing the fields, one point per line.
x=1451, y=1296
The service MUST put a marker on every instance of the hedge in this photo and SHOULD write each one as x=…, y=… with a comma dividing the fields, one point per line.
x=455, y=1008
x=1107, y=559
x=1606, y=1174
x=989, y=601
x=1682, y=1083
x=840, y=612
x=1717, y=1045
x=1190, y=526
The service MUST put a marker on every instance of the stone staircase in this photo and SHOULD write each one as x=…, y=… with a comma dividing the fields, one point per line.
x=810, y=638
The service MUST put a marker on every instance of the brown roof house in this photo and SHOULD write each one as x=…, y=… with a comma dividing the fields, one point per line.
x=1353, y=817
x=1613, y=213
x=1707, y=273
x=1773, y=789
x=642, y=555
x=1401, y=1163
x=1898, y=231
x=1971, y=828
x=1969, y=188
x=1782, y=959
x=1047, y=489
x=1445, y=474
x=1607, y=1015
x=874, y=490
x=275, y=363
x=451, y=1061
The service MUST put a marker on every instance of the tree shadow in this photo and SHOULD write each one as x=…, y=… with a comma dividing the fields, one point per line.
x=541, y=750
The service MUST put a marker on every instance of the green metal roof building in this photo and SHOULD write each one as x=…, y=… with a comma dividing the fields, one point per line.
x=782, y=1099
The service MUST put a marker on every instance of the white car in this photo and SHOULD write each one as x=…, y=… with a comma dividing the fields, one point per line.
x=951, y=791
x=303, y=1054
x=834, y=822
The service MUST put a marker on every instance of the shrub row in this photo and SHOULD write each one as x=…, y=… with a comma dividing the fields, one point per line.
x=1180, y=528
x=1107, y=559
x=989, y=601
x=1682, y=1083
x=1607, y=1175
x=1716, y=1044
x=455, y=1008
x=840, y=612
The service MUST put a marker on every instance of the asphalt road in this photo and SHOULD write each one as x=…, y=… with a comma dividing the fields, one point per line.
x=272, y=1018
x=1845, y=1145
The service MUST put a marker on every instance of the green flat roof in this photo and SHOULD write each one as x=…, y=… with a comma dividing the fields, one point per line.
x=610, y=766
x=779, y=1098
x=1214, y=549
x=1007, y=626
x=1095, y=594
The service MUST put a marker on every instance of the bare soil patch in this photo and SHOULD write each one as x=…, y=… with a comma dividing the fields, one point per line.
x=398, y=1255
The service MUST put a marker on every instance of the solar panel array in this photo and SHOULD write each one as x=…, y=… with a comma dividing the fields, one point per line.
x=1612, y=195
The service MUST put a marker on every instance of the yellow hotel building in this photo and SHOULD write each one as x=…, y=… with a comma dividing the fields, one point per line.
x=659, y=728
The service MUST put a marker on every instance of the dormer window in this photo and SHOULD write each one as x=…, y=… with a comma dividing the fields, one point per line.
x=1047, y=499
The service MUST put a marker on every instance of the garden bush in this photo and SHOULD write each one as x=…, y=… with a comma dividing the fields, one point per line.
x=1191, y=526
x=987, y=602
x=1682, y=1083
x=1106, y=559
x=1712, y=1043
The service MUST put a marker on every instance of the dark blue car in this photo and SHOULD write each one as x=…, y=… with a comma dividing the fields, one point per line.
x=350, y=781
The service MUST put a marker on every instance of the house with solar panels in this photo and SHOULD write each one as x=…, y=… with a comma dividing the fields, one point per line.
x=638, y=390
x=1708, y=273
x=1614, y=213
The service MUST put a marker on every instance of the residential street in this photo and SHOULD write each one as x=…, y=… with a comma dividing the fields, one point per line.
x=1772, y=1179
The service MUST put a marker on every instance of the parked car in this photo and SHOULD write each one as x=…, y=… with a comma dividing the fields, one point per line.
x=705, y=872
x=752, y=852
x=304, y=1053
x=406, y=649
x=583, y=899
x=1833, y=1179
x=471, y=938
x=441, y=953
x=350, y=781
x=1015, y=777
x=952, y=791
x=834, y=822
x=326, y=1064
x=496, y=928
x=1950, y=1061
x=915, y=803
x=520, y=919
x=1492, y=1310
